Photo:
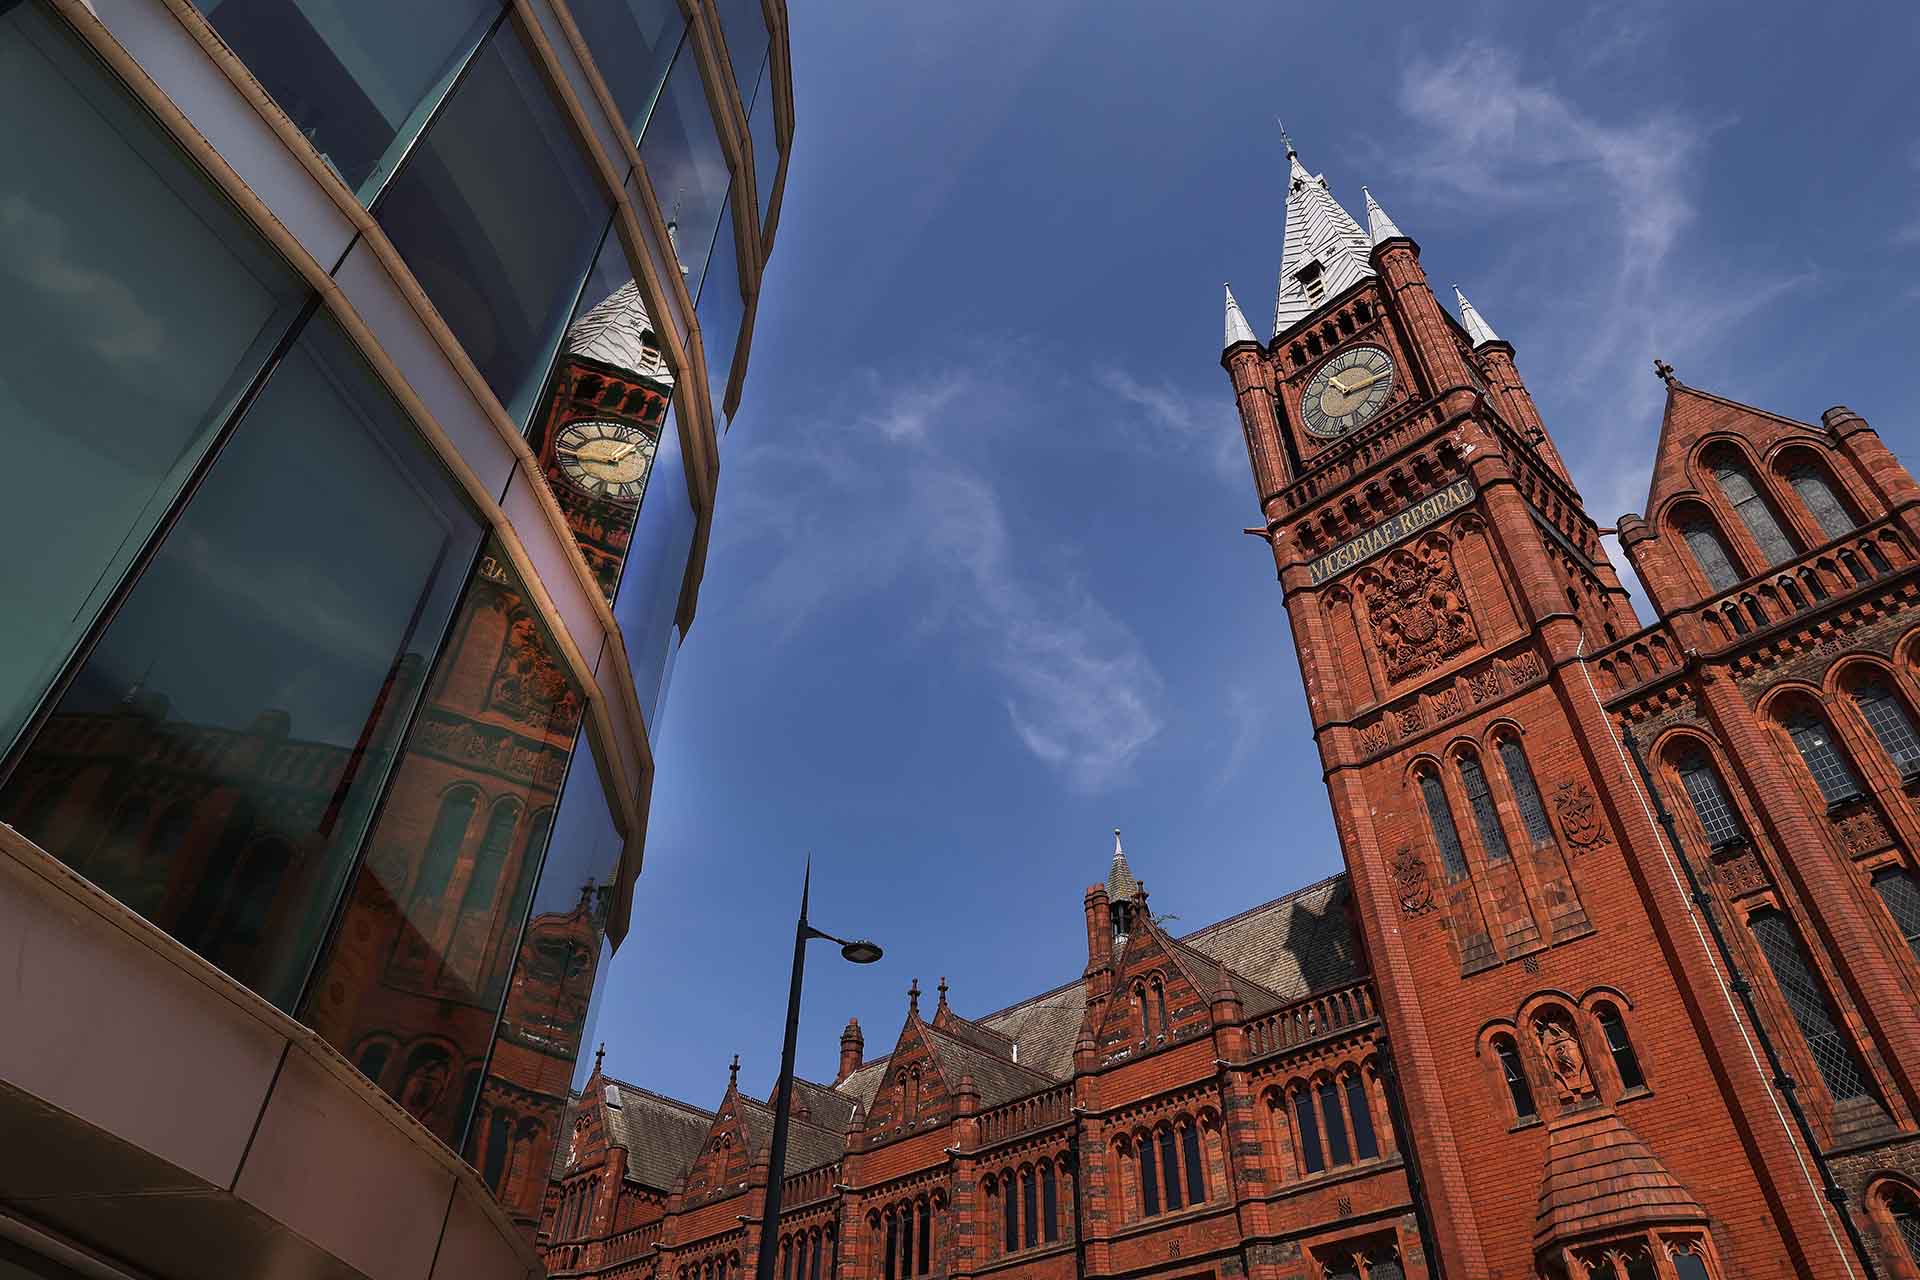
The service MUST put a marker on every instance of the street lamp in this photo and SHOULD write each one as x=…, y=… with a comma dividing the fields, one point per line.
x=859, y=951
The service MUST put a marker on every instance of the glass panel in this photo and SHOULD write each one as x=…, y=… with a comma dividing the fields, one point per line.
x=1366, y=1146
x=1308, y=1126
x=1710, y=805
x=599, y=428
x=720, y=311
x=1887, y=716
x=1520, y=778
x=423, y=953
x=684, y=162
x=1050, y=1202
x=1736, y=481
x=358, y=82
x=1906, y=1219
x=743, y=24
x=1452, y=860
x=1149, y=1182
x=1711, y=553
x=1011, y=1233
x=1485, y=818
x=649, y=594
x=1516, y=1078
x=258, y=674
x=1688, y=1266
x=1030, y=1208
x=1900, y=893
x=1829, y=769
x=124, y=341
x=1807, y=1001
x=1190, y=1156
x=1169, y=1170
x=633, y=43
x=764, y=128
x=1338, y=1153
x=1625, y=1061
x=498, y=214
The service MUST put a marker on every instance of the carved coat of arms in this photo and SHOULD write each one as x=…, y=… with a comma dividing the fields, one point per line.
x=1580, y=816
x=1418, y=613
x=1410, y=876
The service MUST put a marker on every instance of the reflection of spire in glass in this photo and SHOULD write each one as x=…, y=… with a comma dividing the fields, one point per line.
x=619, y=332
x=673, y=231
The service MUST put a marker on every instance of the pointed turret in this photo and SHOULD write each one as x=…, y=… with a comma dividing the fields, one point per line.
x=1478, y=330
x=1238, y=330
x=1380, y=227
x=1326, y=251
x=1121, y=886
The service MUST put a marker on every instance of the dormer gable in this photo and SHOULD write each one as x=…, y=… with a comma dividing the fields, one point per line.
x=725, y=1156
x=1164, y=994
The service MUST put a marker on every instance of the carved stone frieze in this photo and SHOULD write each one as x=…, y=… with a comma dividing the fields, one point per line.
x=1416, y=609
x=1871, y=626
x=1737, y=868
x=1860, y=829
x=1435, y=707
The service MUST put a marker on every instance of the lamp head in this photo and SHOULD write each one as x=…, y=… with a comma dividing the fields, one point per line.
x=860, y=951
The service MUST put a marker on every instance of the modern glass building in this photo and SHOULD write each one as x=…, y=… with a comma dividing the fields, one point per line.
x=362, y=372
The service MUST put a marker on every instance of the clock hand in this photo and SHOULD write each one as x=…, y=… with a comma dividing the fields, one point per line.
x=1362, y=385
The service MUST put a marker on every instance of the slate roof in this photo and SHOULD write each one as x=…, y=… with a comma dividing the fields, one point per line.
x=829, y=1108
x=1044, y=1028
x=618, y=331
x=1293, y=945
x=808, y=1145
x=1318, y=230
x=998, y=1079
x=661, y=1135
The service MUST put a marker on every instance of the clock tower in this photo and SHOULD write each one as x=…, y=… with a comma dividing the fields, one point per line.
x=1584, y=1081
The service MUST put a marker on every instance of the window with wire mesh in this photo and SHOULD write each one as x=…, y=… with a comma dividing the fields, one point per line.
x=1906, y=1220
x=1901, y=894
x=1810, y=482
x=1445, y=834
x=1831, y=772
x=1832, y=1052
x=1709, y=800
x=1486, y=818
x=1710, y=552
x=1887, y=716
x=1737, y=483
x=1525, y=793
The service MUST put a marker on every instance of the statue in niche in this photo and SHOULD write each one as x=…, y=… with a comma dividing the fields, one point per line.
x=1561, y=1049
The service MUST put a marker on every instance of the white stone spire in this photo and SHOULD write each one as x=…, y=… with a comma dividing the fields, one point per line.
x=1238, y=330
x=1379, y=225
x=1326, y=251
x=1478, y=330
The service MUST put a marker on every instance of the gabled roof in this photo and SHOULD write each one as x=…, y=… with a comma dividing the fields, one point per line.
x=1318, y=231
x=808, y=1145
x=660, y=1135
x=1293, y=945
x=998, y=1079
x=1044, y=1028
x=1691, y=415
x=828, y=1108
x=1205, y=974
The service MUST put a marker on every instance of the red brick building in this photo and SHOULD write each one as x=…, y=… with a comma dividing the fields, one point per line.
x=1620, y=982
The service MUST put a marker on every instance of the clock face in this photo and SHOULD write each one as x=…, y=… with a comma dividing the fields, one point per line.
x=606, y=459
x=1347, y=390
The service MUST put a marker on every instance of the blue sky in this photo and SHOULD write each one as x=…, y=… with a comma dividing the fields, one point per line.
x=978, y=591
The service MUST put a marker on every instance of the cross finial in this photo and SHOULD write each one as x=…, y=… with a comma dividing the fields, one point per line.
x=943, y=991
x=1664, y=371
x=733, y=1071
x=913, y=997
x=598, y=1054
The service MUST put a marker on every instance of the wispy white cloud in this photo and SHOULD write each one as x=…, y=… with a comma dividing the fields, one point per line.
x=1173, y=419
x=901, y=498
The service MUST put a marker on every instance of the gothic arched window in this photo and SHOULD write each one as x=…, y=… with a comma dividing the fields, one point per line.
x=1886, y=714
x=491, y=859
x=1625, y=1061
x=1149, y=1177
x=1901, y=895
x=1806, y=998
x=1049, y=1202
x=1445, y=835
x=1365, y=1144
x=1710, y=552
x=1030, y=1206
x=1169, y=1170
x=1486, y=818
x=1515, y=1074
x=1011, y=1226
x=926, y=1243
x=1338, y=1152
x=1160, y=1003
x=499, y=1135
x=1814, y=741
x=1810, y=482
x=1711, y=807
x=1520, y=778
x=1308, y=1126
x=443, y=846
x=1190, y=1154
x=1743, y=495
x=1903, y=1208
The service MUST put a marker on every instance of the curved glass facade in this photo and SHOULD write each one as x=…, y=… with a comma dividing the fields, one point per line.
x=280, y=682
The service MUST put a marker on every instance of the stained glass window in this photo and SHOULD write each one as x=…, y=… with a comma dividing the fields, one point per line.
x=1520, y=778
x=1811, y=483
x=1445, y=835
x=1485, y=817
x=1887, y=716
x=1737, y=483
x=1833, y=1055
x=1711, y=553
x=1814, y=740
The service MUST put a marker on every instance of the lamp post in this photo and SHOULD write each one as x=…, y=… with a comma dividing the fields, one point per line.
x=859, y=951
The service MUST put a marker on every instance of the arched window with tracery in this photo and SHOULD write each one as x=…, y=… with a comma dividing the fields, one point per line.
x=1743, y=494
x=1813, y=739
x=1816, y=492
x=1446, y=836
x=1709, y=550
x=1886, y=714
x=1513, y=758
x=1708, y=799
x=1160, y=1003
x=1807, y=1001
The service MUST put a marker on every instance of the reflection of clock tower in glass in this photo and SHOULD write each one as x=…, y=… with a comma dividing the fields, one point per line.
x=605, y=411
